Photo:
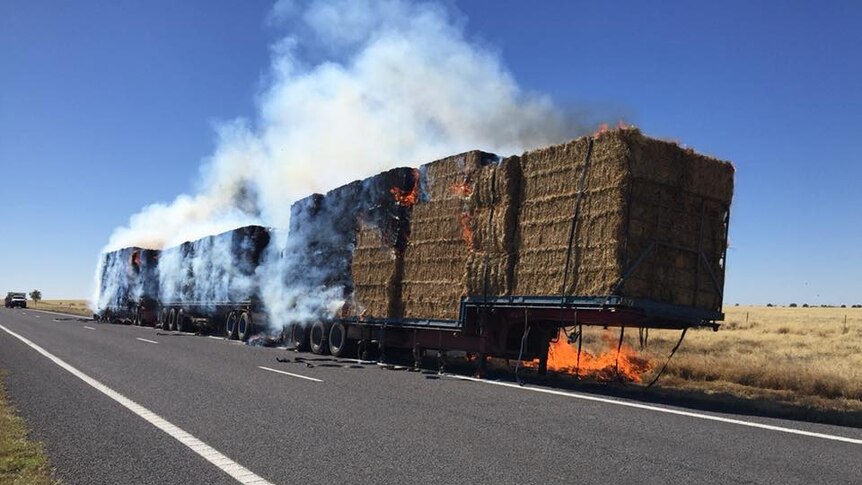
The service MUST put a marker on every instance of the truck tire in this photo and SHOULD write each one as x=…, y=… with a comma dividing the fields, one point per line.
x=299, y=336
x=162, y=318
x=230, y=326
x=172, y=319
x=245, y=327
x=137, y=320
x=318, y=338
x=339, y=344
x=180, y=322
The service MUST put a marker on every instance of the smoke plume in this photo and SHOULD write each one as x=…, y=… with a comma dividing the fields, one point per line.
x=402, y=85
x=357, y=87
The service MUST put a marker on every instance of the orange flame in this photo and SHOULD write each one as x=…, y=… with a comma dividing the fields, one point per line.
x=462, y=189
x=407, y=198
x=563, y=358
x=466, y=233
x=136, y=258
x=605, y=127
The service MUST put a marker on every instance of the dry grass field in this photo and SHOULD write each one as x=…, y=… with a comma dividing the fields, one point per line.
x=798, y=356
x=75, y=307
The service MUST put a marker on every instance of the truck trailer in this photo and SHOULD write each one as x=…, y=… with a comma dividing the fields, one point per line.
x=128, y=291
x=210, y=285
x=495, y=256
x=474, y=253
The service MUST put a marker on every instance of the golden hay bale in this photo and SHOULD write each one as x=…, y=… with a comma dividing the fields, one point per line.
x=641, y=196
x=376, y=269
x=441, y=237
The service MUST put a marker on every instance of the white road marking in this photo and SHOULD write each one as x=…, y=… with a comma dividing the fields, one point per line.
x=289, y=374
x=61, y=313
x=145, y=340
x=89, y=328
x=664, y=410
x=214, y=337
x=235, y=470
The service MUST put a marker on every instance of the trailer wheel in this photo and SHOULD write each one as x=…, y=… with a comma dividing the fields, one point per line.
x=137, y=318
x=299, y=336
x=163, y=316
x=244, y=327
x=172, y=319
x=318, y=338
x=339, y=344
x=180, y=323
x=230, y=326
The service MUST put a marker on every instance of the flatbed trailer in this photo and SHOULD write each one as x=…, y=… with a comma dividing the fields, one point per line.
x=236, y=320
x=514, y=327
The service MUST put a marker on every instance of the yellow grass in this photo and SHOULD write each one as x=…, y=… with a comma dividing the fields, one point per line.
x=75, y=307
x=21, y=461
x=806, y=356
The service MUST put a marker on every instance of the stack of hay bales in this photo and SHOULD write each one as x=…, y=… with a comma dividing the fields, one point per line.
x=128, y=275
x=441, y=245
x=644, y=199
x=382, y=227
x=493, y=217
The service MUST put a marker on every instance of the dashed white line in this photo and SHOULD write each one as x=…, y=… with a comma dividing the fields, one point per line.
x=89, y=328
x=289, y=374
x=235, y=470
x=146, y=340
x=664, y=410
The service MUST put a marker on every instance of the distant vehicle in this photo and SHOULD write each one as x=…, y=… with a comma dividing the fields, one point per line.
x=14, y=299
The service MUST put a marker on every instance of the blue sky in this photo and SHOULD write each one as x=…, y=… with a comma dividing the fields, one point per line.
x=106, y=107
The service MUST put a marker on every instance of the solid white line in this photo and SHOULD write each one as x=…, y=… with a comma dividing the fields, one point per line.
x=61, y=313
x=145, y=340
x=214, y=337
x=289, y=373
x=665, y=410
x=89, y=328
x=235, y=470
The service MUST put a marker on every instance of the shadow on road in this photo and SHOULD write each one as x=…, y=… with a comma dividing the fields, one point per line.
x=688, y=399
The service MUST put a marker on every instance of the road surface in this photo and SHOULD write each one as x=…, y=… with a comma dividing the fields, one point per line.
x=122, y=404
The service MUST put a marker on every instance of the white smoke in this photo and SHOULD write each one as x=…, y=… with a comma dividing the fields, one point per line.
x=359, y=86
x=411, y=88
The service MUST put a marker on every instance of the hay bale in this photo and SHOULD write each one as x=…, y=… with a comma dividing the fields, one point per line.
x=438, y=246
x=467, y=211
x=382, y=228
x=376, y=272
x=639, y=192
x=488, y=274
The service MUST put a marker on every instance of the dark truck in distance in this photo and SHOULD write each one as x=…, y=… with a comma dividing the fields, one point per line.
x=14, y=299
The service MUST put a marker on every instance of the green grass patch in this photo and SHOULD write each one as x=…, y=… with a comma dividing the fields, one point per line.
x=22, y=461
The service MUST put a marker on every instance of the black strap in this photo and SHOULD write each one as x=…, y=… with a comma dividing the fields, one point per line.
x=668, y=359
x=575, y=216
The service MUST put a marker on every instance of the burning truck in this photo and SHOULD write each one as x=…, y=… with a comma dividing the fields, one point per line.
x=207, y=285
x=487, y=255
x=128, y=286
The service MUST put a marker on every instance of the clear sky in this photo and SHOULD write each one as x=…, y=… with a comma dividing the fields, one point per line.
x=106, y=107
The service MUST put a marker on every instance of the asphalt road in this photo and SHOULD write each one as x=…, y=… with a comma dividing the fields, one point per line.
x=358, y=423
